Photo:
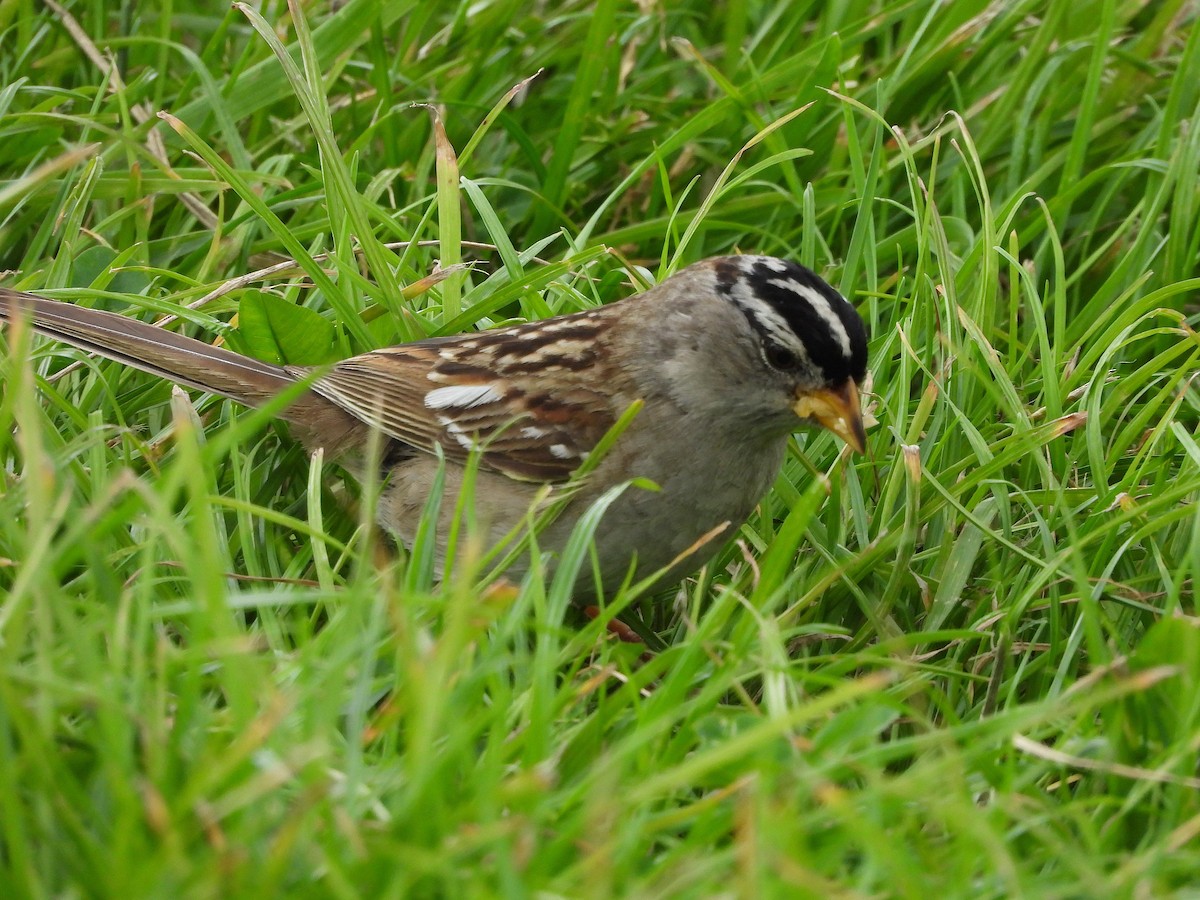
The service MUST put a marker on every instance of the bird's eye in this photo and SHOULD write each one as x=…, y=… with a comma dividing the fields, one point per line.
x=781, y=358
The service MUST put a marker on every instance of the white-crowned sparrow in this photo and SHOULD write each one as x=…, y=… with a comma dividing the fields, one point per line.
x=728, y=356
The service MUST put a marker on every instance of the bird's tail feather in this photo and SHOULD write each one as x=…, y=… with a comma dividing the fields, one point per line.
x=172, y=356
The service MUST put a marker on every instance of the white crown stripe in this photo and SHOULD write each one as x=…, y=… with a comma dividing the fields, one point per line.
x=774, y=263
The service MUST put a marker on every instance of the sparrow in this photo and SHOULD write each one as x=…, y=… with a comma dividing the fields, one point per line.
x=721, y=362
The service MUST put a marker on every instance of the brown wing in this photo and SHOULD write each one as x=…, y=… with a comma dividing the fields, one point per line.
x=526, y=396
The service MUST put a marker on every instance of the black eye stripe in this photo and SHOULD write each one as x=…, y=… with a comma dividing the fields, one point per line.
x=824, y=331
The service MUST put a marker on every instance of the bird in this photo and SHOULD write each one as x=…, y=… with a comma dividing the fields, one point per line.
x=721, y=362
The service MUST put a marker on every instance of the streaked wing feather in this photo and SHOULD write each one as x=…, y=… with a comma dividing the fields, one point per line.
x=388, y=398
x=436, y=393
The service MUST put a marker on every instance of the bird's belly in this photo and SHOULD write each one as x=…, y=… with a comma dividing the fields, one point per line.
x=680, y=525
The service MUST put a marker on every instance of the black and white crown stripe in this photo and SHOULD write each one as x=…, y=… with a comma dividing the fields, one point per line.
x=822, y=308
x=766, y=320
x=794, y=308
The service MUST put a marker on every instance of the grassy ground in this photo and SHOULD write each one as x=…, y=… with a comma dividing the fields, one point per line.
x=970, y=667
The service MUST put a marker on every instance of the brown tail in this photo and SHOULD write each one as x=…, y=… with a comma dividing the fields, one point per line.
x=316, y=421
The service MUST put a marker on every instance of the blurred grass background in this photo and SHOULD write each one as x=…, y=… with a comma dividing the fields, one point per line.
x=968, y=663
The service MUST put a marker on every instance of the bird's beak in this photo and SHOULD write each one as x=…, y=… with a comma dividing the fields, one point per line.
x=836, y=409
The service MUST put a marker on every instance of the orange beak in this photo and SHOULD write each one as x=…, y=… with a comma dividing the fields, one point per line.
x=836, y=409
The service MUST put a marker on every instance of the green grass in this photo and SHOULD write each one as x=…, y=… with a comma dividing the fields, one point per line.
x=969, y=668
